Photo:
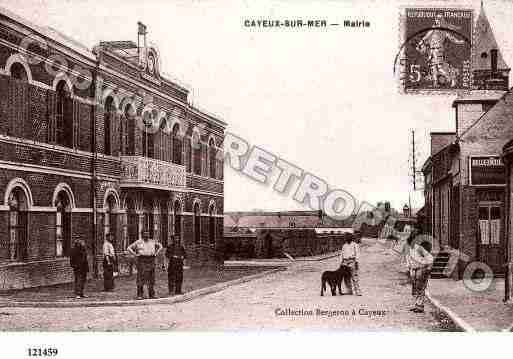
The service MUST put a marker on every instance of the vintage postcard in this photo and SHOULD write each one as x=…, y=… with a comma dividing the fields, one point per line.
x=234, y=165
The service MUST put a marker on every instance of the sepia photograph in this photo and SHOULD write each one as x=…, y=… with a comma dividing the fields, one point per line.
x=227, y=166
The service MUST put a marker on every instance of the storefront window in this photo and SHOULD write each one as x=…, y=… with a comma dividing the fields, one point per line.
x=484, y=226
x=495, y=225
x=490, y=224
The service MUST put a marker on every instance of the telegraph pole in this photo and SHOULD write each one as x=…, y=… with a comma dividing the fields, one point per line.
x=414, y=167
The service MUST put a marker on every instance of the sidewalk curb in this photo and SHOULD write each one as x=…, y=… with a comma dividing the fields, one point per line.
x=283, y=263
x=460, y=323
x=132, y=302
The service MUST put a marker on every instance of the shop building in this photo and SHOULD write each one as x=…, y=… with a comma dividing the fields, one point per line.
x=97, y=142
x=465, y=174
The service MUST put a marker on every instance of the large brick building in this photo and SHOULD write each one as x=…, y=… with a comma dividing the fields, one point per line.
x=94, y=142
x=465, y=175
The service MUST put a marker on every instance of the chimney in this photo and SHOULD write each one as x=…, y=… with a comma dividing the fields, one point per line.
x=493, y=53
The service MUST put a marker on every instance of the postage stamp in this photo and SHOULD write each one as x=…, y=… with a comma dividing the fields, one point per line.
x=435, y=49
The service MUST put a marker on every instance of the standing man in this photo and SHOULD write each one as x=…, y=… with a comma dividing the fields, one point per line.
x=176, y=254
x=420, y=263
x=145, y=250
x=349, y=258
x=80, y=265
x=109, y=260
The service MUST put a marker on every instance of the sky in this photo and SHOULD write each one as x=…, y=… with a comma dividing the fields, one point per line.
x=324, y=99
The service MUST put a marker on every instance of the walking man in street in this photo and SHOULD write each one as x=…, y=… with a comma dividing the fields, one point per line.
x=420, y=263
x=350, y=257
x=175, y=253
x=145, y=250
x=109, y=260
x=80, y=265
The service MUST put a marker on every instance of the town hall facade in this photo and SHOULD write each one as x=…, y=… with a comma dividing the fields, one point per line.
x=94, y=143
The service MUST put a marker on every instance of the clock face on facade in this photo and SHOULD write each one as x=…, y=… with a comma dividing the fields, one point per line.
x=151, y=63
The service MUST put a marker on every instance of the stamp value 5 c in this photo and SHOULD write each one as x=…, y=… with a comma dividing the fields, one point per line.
x=435, y=53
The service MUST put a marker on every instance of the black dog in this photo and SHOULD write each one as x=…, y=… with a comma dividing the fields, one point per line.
x=334, y=279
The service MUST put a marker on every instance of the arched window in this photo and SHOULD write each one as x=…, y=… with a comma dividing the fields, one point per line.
x=188, y=154
x=62, y=224
x=109, y=220
x=128, y=131
x=211, y=224
x=132, y=222
x=18, y=72
x=196, y=153
x=163, y=222
x=163, y=142
x=212, y=158
x=178, y=218
x=148, y=141
x=148, y=216
x=108, y=118
x=197, y=223
x=64, y=116
x=177, y=144
x=17, y=225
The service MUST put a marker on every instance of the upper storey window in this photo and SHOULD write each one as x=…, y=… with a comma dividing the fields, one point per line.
x=18, y=72
x=212, y=158
x=196, y=153
x=107, y=124
x=64, y=116
x=177, y=145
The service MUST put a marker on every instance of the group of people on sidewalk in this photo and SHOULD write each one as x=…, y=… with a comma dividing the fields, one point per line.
x=145, y=251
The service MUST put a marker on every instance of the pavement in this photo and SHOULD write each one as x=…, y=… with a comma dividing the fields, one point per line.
x=479, y=311
x=285, y=300
x=195, y=279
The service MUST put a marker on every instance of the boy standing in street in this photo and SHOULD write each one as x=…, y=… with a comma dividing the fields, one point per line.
x=350, y=257
x=420, y=263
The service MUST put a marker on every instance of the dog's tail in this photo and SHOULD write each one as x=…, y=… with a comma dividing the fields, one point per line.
x=323, y=286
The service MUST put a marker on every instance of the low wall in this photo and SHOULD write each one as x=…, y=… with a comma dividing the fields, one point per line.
x=273, y=243
x=34, y=274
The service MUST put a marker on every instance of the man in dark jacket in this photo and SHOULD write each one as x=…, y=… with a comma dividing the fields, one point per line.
x=176, y=254
x=78, y=261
